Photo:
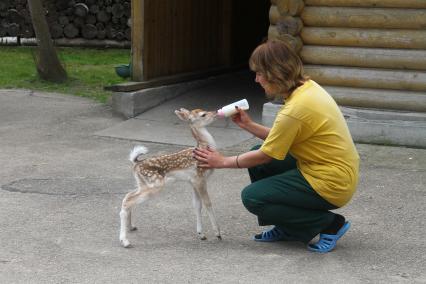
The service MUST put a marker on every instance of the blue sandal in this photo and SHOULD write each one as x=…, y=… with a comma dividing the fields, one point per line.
x=273, y=235
x=327, y=242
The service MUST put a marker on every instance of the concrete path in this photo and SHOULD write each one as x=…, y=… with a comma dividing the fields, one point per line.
x=61, y=186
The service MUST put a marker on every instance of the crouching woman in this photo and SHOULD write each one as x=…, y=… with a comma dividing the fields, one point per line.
x=307, y=164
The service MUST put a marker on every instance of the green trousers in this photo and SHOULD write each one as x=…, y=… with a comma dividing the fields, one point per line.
x=279, y=195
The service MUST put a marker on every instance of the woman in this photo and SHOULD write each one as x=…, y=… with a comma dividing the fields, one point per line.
x=307, y=164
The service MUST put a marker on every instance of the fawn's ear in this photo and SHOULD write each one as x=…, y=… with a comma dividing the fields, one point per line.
x=183, y=114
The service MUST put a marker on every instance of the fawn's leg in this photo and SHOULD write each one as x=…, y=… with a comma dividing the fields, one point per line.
x=129, y=201
x=202, y=191
x=126, y=220
x=196, y=201
x=131, y=226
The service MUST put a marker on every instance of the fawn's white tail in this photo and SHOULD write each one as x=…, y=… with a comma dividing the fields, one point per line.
x=136, y=152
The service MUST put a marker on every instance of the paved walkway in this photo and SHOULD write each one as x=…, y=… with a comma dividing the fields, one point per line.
x=61, y=185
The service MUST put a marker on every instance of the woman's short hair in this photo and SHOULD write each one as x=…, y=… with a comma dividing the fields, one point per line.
x=279, y=64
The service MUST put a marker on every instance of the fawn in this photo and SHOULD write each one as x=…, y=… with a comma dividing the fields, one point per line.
x=152, y=174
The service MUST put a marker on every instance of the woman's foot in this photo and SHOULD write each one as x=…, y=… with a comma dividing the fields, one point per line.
x=327, y=242
x=273, y=235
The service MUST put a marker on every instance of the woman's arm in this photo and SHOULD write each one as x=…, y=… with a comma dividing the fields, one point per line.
x=258, y=130
x=209, y=158
x=243, y=120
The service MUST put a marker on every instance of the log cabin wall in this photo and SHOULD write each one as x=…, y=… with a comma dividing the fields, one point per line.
x=365, y=48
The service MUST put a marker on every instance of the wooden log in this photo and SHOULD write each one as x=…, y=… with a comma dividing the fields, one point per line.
x=414, y=4
x=367, y=78
x=71, y=4
x=61, y=4
x=381, y=18
x=282, y=6
x=78, y=22
x=290, y=7
x=295, y=42
x=56, y=30
x=14, y=17
x=71, y=31
x=110, y=32
x=293, y=25
x=379, y=98
x=123, y=22
x=89, y=31
x=3, y=30
x=296, y=7
x=274, y=15
x=4, y=5
x=100, y=26
x=94, y=9
x=128, y=34
x=119, y=36
x=81, y=10
x=101, y=34
x=364, y=37
x=9, y=41
x=69, y=12
x=103, y=16
x=26, y=15
x=117, y=10
x=27, y=31
x=90, y=19
x=115, y=20
x=63, y=20
x=289, y=25
x=92, y=43
x=364, y=57
x=12, y=29
x=127, y=9
x=79, y=42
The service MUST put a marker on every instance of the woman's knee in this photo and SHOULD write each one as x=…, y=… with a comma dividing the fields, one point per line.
x=250, y=199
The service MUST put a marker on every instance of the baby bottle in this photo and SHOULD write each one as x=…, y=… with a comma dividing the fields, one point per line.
x=230, y=109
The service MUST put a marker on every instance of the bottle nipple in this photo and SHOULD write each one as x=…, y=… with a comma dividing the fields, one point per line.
x=220, y=113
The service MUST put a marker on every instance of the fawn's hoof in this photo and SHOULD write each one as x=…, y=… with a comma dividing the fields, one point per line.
x=219, y=237
x=132, y=228
x=202, y=237
x=125, y=243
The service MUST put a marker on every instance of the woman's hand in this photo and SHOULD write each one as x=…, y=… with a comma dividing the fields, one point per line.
x=208, y=158
x=242, y=119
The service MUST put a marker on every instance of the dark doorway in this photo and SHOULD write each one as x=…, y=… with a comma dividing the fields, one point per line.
x=250, y=23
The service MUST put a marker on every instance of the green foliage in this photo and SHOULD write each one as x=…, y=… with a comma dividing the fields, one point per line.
x=89, y=70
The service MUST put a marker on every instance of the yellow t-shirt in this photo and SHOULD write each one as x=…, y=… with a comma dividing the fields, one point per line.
x=311, y=127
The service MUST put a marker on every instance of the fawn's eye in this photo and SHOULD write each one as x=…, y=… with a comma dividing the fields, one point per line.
x=204, y=115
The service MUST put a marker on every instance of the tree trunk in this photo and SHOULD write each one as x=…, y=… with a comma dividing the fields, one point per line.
x=48, y=65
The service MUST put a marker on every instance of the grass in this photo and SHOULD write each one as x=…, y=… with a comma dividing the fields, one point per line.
x=89, y=70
